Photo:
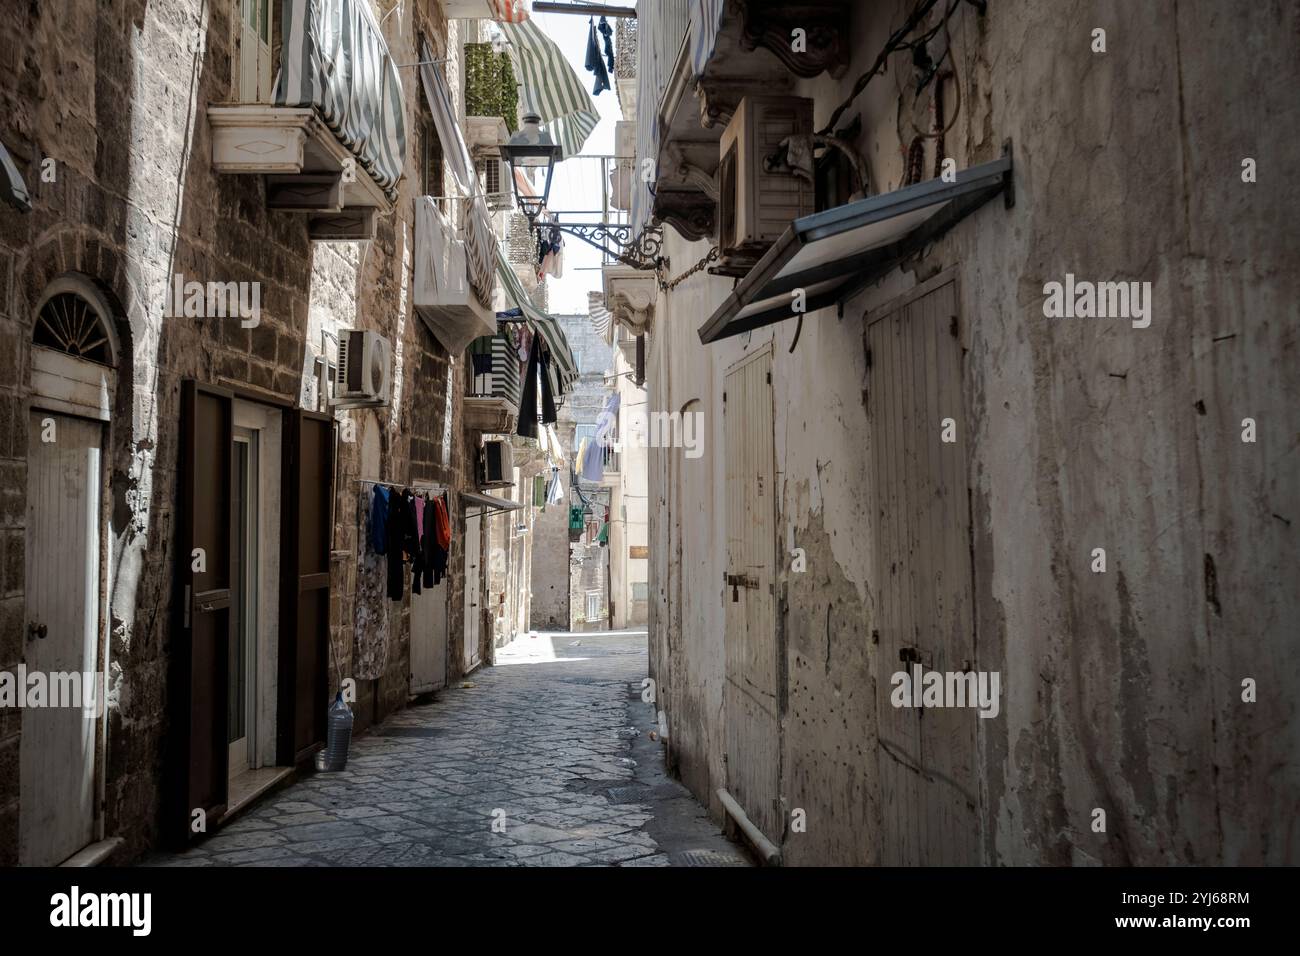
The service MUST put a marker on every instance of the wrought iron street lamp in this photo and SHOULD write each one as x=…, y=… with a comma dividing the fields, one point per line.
x=531, y=148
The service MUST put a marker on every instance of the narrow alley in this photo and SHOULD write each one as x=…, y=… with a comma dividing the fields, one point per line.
x=543, y=760
x=648, y=434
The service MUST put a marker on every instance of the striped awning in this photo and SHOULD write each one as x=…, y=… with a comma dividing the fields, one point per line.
x=705, y=17
x=11, y=183
x=334, y=59
x=550, y=86
x=479, y=236
x=601, y=317
x=510, y=11
x=546, y=326
x=661, y=27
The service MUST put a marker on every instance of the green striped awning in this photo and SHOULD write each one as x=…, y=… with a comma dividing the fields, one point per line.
x=334, y=58
x=550, y=86
x=544, y=325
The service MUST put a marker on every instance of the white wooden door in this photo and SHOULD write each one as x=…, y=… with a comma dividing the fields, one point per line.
x=751, y=693
x=57, y=760
x=473, y=591
x=255, y=51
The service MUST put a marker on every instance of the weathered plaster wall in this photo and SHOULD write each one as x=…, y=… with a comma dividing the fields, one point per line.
x=1120, y=690
x=628, y=500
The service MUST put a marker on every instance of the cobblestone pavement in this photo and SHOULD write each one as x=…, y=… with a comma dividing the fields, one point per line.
x=551, y=744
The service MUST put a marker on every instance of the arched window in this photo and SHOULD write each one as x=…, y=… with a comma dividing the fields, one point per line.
x=75, y=349
x=74, y=318
x=68, y=323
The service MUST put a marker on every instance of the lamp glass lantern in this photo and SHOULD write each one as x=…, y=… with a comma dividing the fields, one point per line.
x=531, y=149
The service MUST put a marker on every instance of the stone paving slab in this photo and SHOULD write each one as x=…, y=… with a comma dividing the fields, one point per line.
x=516, y=770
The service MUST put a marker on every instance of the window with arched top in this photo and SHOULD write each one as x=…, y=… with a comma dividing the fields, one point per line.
x=69, y=322
x=75, y=348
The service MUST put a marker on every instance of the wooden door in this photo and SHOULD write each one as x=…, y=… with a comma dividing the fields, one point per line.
x=307, y=465
x=57, y=749
x=921, y=566
x=473, y=591
x=429, y=630
x=751, y=693
x=199, y=682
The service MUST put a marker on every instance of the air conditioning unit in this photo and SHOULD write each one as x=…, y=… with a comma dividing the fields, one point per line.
x=365, y=375
x=755, y=206
x=498, y=465
x=494, y=175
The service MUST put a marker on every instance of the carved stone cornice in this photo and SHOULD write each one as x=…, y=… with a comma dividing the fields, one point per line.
x=769, y=25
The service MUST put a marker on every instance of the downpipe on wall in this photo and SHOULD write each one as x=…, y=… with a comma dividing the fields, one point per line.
x=767, y=850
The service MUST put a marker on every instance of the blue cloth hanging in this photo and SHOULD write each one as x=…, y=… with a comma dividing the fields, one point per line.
x=594, y=62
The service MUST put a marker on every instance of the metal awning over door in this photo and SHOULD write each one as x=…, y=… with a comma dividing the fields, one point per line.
x=834, y=254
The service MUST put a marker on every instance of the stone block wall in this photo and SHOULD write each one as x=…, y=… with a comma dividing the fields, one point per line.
x=115, y=95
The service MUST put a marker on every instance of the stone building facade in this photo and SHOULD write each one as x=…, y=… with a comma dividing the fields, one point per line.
x=105, y=113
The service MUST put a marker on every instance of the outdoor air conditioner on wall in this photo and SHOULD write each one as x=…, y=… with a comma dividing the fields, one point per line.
x=365, y=369
x=494, y=174
x=755, y=206
x=498, y=465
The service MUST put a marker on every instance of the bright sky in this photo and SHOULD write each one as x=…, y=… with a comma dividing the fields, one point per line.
x=576, y=182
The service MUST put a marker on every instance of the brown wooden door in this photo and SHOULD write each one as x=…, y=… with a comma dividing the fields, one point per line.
x=308, y=465
x=200, y=655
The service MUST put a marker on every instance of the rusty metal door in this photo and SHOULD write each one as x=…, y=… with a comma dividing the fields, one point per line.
x=921, y=570
x=751, y=692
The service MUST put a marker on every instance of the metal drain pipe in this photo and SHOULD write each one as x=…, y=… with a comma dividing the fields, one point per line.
x=770, y=853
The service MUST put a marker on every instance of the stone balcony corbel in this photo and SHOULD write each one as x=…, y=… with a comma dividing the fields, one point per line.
x=630, y=296
x=767, y=25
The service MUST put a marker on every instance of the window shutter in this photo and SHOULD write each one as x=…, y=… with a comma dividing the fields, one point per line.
x=199, y=677
x=308, y=473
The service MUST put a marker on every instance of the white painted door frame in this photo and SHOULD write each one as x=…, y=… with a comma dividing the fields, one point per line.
x=263, y=427
x=243, y=750
x=473, y=589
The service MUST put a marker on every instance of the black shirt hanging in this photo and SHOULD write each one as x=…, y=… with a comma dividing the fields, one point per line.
x=594, y=62
x=528, y=400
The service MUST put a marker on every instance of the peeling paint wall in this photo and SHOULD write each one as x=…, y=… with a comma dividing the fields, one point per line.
x=1120, y=690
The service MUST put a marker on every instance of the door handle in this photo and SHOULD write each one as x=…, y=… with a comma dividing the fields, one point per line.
x=35, y=631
